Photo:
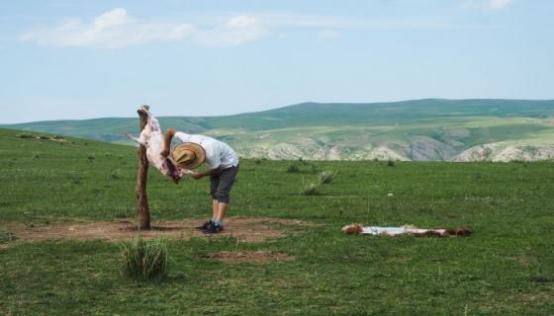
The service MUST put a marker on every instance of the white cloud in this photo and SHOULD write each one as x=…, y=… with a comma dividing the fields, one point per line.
x=499, y=4
x=116, y=28
x=111, y=29
x=236, y=31
x=487, y=4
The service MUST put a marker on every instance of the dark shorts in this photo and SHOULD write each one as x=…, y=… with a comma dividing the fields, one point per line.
x=220, y=185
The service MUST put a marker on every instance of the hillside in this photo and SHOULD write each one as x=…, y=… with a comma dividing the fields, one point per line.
x=430, y=129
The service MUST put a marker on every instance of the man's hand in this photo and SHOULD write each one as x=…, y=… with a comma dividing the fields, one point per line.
x=198, y=175
x=213, y=172
x=165, y=152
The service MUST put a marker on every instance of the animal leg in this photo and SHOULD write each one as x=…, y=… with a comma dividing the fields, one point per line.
x=139, y=140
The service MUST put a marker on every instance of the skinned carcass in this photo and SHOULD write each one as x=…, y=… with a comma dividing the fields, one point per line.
x=153, y=139
x=404, y=230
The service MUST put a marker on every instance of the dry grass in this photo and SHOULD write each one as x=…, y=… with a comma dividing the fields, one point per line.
x=257, y=257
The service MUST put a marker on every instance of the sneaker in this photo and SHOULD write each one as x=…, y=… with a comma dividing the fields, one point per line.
x=204, y=226
x=213, y=229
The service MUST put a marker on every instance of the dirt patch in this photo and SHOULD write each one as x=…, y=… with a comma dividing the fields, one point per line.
x=539, y=298
x=247, y=229
x=258, y=257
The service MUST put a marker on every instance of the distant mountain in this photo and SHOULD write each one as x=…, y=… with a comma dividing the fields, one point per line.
x=430, y=129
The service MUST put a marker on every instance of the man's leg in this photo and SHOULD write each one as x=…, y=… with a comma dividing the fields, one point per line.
x=214, y=183
x=215, y=207
x=221, y=210
x=221, y=195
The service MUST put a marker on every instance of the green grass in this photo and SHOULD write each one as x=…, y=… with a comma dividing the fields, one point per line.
x=500, y=270
x=145, y=260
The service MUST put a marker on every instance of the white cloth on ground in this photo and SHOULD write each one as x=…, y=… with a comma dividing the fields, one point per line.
x=393, y=231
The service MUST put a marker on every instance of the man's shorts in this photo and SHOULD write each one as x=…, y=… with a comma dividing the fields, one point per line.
x=220, y=185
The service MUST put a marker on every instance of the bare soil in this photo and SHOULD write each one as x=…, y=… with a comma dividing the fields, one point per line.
x=246, y=229
x=258, y=257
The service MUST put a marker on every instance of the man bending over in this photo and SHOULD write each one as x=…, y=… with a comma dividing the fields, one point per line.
x=193, y=150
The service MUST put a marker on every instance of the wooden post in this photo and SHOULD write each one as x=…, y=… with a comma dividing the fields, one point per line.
x=143, y=210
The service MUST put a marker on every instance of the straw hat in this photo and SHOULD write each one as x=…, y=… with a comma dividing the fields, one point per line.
x=188, y=155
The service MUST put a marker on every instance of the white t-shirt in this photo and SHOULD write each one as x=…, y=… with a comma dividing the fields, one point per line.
x=218, y=154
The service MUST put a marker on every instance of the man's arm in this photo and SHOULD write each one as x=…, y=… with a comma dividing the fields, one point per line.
x=167, y=141
x=211, y=172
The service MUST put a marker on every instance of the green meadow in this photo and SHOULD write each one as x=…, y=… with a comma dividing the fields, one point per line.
x=505, y=268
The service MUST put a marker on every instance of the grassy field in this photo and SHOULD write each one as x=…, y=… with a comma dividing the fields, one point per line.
x=505, y=268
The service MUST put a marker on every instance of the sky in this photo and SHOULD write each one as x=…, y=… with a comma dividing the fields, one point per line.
x=87, y=59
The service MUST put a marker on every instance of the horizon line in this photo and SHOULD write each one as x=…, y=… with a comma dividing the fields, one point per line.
x=277, y=108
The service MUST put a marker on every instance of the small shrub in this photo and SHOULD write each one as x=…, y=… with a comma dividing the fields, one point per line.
x=310, y=189
x=145, y=260
x=518, y=161
x=390, y=163
x=116, y=174
x=91, y=158
x=36, y=156
x=25, y=136
x=75, y=179
x=293, y=169
x=302, y=161
x=6, y=236
x=258, y=161
x=326, y=177
x=44, y=137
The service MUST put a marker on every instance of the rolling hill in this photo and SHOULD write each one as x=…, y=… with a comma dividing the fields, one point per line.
x=429, y=129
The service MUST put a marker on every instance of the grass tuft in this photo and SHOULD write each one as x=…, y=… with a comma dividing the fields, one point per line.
x=6, y=236
x=390, y=163
x=145, y=260
x=302, y=161
x=326, y=177
x=116, y=174
x=25, y=136
x=311, y=189
x=75, y=179
x=293, y=169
